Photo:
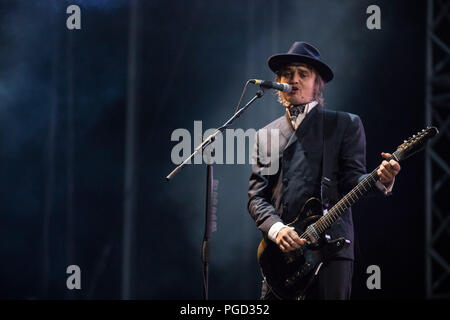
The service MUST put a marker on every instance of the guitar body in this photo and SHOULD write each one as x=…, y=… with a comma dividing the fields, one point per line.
x=289, y=275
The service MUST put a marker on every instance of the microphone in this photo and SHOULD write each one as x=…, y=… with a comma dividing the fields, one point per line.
x=272, y=85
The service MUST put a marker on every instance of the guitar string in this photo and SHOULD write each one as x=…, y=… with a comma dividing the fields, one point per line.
x=323, y=223
x=346, y=202
x=326, y=221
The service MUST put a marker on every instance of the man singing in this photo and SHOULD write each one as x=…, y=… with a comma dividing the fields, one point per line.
x=276, y=199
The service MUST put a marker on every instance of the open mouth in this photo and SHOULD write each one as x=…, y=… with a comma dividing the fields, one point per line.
x=295, y=90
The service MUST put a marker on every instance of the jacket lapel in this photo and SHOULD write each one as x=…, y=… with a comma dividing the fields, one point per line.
x=309, y=120
x=287, y=132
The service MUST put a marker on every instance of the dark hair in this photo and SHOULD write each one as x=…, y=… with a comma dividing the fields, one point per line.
x=319, y=85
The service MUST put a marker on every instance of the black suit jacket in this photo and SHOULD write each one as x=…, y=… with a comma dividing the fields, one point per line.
x=279, y=196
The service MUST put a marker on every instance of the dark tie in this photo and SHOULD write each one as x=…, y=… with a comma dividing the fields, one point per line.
x=294, y=111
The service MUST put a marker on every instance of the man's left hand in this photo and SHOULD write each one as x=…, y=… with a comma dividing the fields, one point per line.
x=388, y=170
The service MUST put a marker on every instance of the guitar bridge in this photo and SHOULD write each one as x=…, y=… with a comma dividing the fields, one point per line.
x=299, y=274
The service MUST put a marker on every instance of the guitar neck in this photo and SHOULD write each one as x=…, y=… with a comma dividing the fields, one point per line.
x=346, y=202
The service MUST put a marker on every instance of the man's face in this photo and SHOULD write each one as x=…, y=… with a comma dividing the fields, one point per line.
x=302, y=79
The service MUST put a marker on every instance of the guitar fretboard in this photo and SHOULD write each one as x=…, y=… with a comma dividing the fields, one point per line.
x=346, y=202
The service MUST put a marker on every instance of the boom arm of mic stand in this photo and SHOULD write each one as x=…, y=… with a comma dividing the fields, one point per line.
x=211, y=138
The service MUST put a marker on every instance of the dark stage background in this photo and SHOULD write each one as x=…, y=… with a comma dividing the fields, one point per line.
x=64, y=96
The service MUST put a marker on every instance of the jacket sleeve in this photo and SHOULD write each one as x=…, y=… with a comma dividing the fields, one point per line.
x=352, y=157
x=259, y=193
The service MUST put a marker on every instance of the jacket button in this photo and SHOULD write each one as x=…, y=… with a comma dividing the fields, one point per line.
x=285, y=181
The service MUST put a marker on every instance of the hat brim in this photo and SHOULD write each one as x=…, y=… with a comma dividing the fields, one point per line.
x=277, y=61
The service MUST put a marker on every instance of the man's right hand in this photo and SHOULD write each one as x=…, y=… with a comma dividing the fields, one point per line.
x=288, y=240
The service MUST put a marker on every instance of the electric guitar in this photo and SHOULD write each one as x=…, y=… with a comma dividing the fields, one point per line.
x=289, y=275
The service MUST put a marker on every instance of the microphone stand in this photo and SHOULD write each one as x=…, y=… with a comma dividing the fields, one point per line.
x=210, y=187
x=209, y=227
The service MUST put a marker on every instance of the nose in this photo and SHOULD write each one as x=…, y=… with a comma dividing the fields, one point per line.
x=295, y=78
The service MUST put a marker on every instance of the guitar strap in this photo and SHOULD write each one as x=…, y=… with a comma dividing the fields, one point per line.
x=329, y=126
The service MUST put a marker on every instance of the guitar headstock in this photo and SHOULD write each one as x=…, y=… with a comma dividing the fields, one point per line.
x=415, y=143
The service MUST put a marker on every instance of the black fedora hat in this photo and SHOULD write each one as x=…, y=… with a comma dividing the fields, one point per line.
x=305, y=53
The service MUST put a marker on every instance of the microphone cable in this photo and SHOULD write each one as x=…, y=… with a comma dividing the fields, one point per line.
x=242, y=95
